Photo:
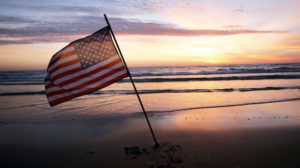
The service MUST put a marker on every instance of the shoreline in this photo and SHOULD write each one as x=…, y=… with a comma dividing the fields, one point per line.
x=248, y=147
x=262, y=135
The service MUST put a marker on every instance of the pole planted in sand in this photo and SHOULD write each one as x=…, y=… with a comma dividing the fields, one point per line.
x=137, y=94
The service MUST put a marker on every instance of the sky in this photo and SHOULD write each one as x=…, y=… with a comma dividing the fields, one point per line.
x=154, y=32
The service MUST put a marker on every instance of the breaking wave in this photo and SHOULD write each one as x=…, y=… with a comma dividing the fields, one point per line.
x=162, y=91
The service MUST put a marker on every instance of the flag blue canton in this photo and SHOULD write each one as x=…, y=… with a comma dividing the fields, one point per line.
x=95, y=48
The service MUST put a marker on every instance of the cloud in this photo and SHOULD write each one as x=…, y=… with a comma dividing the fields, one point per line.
x=234, y=27
x=63, y=8
x=34, y=40
x=55, y=30
x=158, y=29
x=14, y=19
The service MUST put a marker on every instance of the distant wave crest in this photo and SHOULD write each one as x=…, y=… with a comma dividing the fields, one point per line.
x=259, y=70
x=162, y=91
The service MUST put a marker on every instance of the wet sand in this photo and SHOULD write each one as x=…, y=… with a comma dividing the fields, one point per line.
x=188, y=140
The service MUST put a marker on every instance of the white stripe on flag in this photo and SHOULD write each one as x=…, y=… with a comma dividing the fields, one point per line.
x=66, y=50
x=59, y=71
x=91, y=77
x=61, y=61
x=87, y=70
x=92, y=86
x=53, y=89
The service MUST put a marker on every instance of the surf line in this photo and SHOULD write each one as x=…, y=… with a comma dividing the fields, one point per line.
x=229, y=105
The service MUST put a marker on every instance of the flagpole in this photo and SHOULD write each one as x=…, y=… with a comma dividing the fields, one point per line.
x=136, y=92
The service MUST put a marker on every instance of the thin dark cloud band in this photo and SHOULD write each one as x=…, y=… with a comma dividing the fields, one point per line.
x=35, y=31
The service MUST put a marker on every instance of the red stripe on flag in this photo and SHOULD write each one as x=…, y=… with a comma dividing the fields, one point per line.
x=63, y=65
x=66, y=79
x=61, y=75
x=99, y=78
x=82, y=86
x=49, y=86
x=89, y=73
x=62, y=57
x=57, y=101
x=57, y=56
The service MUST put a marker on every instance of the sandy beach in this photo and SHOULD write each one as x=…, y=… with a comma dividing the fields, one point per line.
x=224, y=137
x=217, y=120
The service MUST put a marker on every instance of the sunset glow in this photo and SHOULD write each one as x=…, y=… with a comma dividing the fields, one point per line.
x=154, y=33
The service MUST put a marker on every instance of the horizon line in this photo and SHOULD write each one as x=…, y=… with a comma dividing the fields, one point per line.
x=216, y=64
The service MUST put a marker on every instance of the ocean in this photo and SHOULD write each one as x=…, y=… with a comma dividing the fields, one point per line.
x=163, y=90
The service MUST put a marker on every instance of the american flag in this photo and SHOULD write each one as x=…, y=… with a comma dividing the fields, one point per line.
x=82, y=67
